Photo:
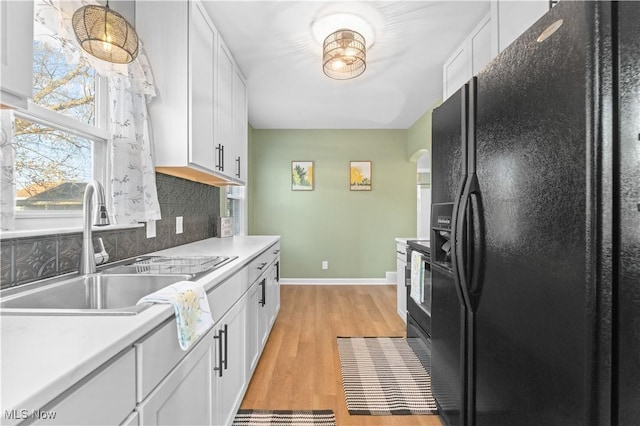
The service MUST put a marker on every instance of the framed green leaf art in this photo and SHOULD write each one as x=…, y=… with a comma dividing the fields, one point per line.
x=302, y=175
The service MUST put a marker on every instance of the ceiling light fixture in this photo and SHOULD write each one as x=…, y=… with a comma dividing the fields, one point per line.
x=344, y=55
x=105, y=34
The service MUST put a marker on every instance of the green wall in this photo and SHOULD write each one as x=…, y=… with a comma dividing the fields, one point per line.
x=354, y=231
x=419, y=135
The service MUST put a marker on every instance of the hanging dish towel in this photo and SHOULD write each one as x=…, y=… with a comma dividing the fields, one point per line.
x=193, y=315
x=417, y=277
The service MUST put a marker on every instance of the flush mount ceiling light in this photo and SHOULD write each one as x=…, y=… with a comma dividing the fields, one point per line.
x=344, y=54
x=105, y=34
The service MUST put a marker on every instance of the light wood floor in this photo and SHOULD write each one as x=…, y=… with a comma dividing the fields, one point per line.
x=300, y=368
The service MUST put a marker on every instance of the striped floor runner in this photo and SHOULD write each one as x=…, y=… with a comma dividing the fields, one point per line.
x=285, y=418
x=382, y=376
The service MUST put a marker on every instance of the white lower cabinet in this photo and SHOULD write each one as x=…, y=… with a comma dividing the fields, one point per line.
x=401, y=289
x=253, y=306
x=229, y=366
x=263, y=311
x=202, y=386
x=273, y=292
x=184, y=396
x=107, y=396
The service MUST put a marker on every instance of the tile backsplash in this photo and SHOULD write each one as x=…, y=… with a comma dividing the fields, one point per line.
x=23, y=260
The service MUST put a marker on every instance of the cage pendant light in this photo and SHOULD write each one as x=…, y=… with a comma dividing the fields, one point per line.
x=105, y=34
x=344, y=55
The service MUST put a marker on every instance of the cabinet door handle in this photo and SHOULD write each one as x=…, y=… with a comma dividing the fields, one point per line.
x=219, y=150
x=238, y=164
x=226, y=341
x=222, y=155
x=219, y=368
x=263, y=283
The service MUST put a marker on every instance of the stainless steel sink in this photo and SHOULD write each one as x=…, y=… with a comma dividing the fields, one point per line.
x=114, y=290
x=95, y=294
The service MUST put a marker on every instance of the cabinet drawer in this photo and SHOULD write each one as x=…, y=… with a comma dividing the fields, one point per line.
x=222, y=298
x=106, y=396
x=261, y=263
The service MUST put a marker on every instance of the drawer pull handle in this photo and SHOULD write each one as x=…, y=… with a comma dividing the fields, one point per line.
x=262, y=265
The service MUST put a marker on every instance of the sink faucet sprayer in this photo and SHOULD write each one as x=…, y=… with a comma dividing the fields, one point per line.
x=89, y=259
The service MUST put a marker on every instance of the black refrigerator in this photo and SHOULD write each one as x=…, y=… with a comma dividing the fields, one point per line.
x=536, y=228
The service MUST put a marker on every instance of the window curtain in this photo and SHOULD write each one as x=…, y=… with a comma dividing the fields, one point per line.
x=133, y=186
x=7, y=182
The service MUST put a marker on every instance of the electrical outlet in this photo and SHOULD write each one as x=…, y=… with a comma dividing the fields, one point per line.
x=151, y=229
x=325, y=264
x=179, y=228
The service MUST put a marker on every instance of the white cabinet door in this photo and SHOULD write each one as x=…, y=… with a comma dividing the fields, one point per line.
x=184, y=396
x=230, y=366
x=240, y=126
x=253, y=353
x=225, y=156
x=16, y=52
x=263, y=311
x=273, y=290
x=455, y=72
x=202, y=44
x=477, y=50
x=482, y=50
x=514, y=17
x=401, y=289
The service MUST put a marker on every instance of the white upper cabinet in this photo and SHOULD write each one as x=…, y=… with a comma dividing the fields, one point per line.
x=16, y=52
x=224, y=142
x=495, y=31
x=192, y=116
x=240, y=125
x=515, y=17
x=475, y=52
x=202, y=69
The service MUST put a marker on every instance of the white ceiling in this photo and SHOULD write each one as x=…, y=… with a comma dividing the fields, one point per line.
x=273, y=44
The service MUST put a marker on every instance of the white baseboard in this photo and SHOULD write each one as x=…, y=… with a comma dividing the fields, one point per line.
x=334, y=281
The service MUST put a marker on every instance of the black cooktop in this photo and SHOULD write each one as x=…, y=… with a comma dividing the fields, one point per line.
x=423, y=246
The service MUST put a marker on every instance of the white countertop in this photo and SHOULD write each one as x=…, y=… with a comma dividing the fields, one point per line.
x=42, y=356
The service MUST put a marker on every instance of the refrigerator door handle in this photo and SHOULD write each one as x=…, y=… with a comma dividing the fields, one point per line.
x=478, y=240
x=461, y=242
x=454, y=233
x=469, y=215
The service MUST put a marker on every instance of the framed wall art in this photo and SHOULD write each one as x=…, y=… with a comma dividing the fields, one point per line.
x=360, y=175
x=302, y=175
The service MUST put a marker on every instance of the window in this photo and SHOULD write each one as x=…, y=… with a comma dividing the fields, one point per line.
x=59, y=142
x=235, y=208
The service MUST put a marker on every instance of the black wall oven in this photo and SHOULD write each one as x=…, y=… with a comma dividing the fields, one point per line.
x=419, y=313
